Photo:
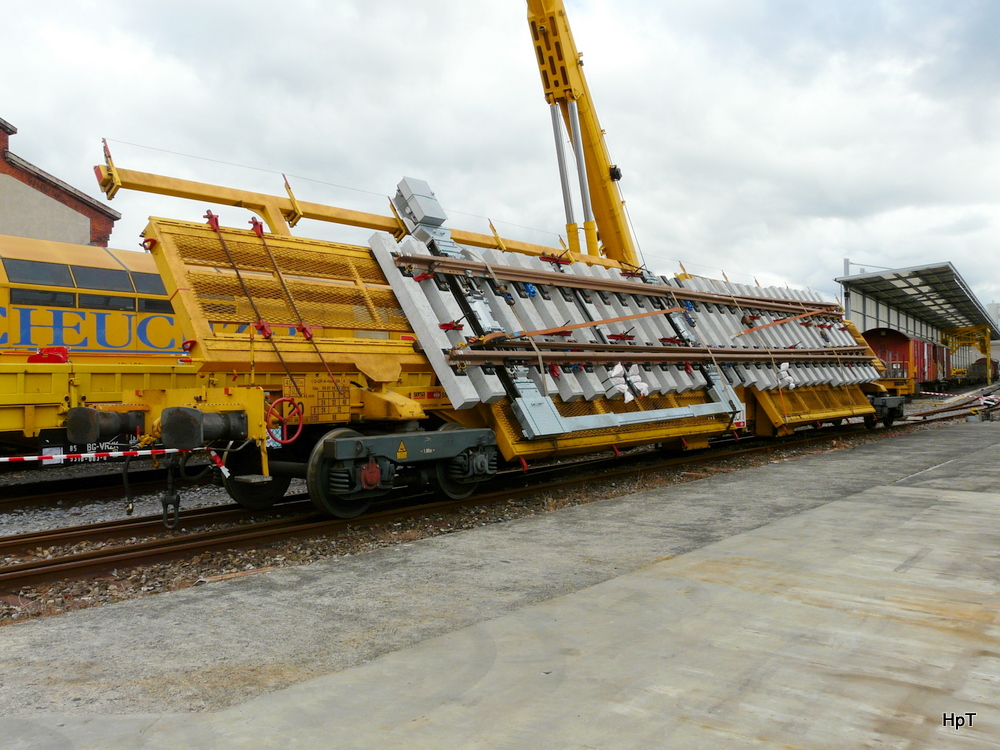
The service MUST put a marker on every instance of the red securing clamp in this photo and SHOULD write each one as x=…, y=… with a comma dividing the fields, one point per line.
x=148, y=243
x=748, y=319
x=688, y=368
x=524, y=464
x=554, y=370
x=618, y=453
x=213, y=220
x=264, y=329
x=258, y=226
x=842, y=328
x=188, y=344
x=805, y=323
x=620, y=337
x=50, y=355
x=672, y=340
x=632, y=274
x=451, y=326
x=554, y=259
x=424, y=276
x=306, y=330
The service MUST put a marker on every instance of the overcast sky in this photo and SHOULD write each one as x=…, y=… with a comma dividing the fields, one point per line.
x=766, y=139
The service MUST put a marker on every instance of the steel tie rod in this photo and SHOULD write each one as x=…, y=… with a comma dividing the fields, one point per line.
x=213, y=222
x=258, y=228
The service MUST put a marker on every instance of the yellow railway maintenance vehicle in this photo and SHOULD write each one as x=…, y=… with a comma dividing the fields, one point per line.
x=79, y=325
x=429, y=354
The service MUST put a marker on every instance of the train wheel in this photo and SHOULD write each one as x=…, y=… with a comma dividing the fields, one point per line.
x=870, y=421
x=446, y=483
x=252, y=496
x=888, y=421
x=318, y=481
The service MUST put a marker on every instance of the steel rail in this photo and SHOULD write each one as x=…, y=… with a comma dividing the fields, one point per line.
x=469, y=268
x=139, y=525
x=824, y=353
x=33, y=493
x=941, y=410
x=644, y=354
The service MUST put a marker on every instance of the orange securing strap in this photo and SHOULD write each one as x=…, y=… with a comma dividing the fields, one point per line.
x=783, y=320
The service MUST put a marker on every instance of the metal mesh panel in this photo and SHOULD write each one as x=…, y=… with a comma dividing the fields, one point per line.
x=324, y=285
x=299, y=260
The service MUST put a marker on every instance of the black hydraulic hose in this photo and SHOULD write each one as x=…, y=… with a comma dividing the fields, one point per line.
x=193, y=477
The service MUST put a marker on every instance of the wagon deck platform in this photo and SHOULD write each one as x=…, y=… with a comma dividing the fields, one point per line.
x=843, y=600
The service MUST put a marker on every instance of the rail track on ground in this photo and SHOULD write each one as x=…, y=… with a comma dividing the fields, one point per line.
x=107, y=484
x=76, y=553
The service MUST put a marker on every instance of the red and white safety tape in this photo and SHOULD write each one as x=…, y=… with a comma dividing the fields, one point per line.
x=218, y=462
x=107, y=454
x=117, y=454
x=932, y=393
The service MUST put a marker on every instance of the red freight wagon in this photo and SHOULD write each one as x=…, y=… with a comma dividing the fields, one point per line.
x=910, y=362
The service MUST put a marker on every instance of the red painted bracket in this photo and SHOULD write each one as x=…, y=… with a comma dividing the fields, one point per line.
x=50, y=355
x=307, y=330
x=213, y=220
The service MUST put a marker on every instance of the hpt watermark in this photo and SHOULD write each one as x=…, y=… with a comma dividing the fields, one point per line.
x=957, y=721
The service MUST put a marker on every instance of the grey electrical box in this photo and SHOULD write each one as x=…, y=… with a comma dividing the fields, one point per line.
x=420, y=204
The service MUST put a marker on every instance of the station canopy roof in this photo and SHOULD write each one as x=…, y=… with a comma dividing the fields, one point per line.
x=935, y=294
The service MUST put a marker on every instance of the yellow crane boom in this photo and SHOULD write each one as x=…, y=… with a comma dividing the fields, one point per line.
x=566, y=91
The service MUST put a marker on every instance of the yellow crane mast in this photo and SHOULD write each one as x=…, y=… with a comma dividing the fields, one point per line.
x=605, y=226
